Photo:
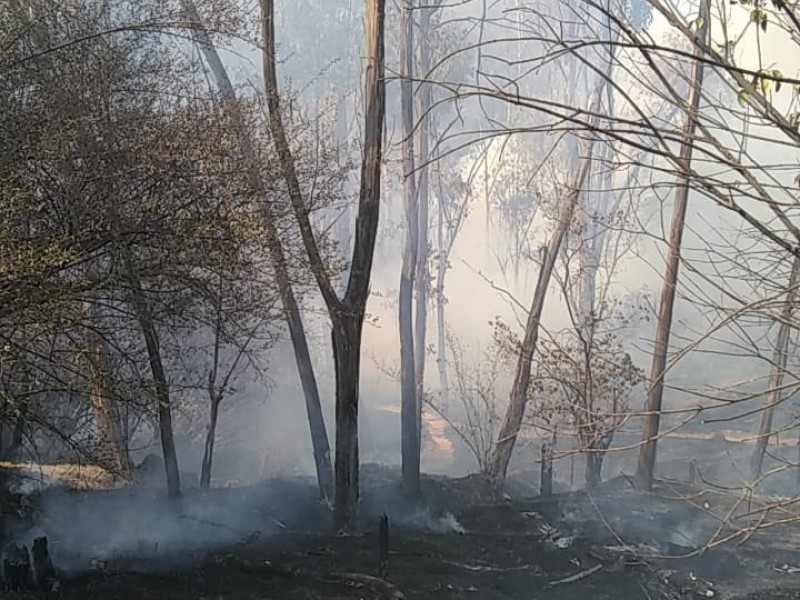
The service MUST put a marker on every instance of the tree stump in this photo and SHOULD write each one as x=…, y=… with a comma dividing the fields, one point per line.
x=16, y=568
x=383, y=546
x=43, y=572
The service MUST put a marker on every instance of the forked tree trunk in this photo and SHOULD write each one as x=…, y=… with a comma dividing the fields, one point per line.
x=347, y=314
x=501, y=454
x=647, y=452
x=409, y=400
x=294, y=322
x=775, y=393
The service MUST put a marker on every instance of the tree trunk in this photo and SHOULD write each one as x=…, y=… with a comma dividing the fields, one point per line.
x=308, y=381
x=423, y=201
x=775, y=393
x=18, y=431
x=647, y=452
x=113, y=453
x=208, y=451
x=594, y=467
x=347, y=314
x=150, y=334
x=441, y=338
x=409, y=399
x=501, y=454
x=346, y=337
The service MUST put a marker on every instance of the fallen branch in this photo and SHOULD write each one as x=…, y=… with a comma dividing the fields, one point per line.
x=488, y=568
x=577, y=577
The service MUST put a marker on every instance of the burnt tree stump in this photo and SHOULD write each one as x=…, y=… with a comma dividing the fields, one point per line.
x=16, y=568
x=43, y=572
x=546, y=478
x=383, y=546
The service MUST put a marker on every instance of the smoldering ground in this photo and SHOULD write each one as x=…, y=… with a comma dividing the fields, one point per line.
x=139, y=527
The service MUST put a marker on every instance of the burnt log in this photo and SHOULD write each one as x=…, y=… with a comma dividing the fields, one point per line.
x=43, y=572
x=383, y=546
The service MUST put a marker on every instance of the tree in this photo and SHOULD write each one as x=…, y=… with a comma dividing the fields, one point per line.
x=647, y=453
x=507, y=436
x=410, y=398
x=126, y=187
x=319, y=436
x=777, y=371
x=347, y=313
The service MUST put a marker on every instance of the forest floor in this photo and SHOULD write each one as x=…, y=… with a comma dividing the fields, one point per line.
x=264, y=542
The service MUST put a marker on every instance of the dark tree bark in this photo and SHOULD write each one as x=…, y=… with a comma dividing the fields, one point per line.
x=346, y=314
x=647, y=452
x=208, y=449
x=410, y=420
x=150, y=333
x=308, y=380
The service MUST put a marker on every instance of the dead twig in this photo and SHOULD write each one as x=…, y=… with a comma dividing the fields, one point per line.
x=577, y=576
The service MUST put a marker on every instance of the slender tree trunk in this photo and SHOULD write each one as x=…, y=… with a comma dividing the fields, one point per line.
x=423, y=202
x=441, y=272
x=501, y=454
x=347, y=314
x=308, y=381
x=647, y=452
x=150, y=334
x=409, y=400
x=208, y=451
x=777, y=372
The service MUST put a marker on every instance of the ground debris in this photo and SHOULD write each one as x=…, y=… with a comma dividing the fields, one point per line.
x=387, y=591
x=577, y=576
x=536, y=569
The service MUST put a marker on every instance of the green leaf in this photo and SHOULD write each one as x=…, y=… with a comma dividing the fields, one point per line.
x=743, y=98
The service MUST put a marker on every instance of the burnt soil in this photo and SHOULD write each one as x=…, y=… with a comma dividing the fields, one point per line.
x=465, y=542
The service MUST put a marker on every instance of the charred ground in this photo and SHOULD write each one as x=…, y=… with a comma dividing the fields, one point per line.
x=271, y=541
